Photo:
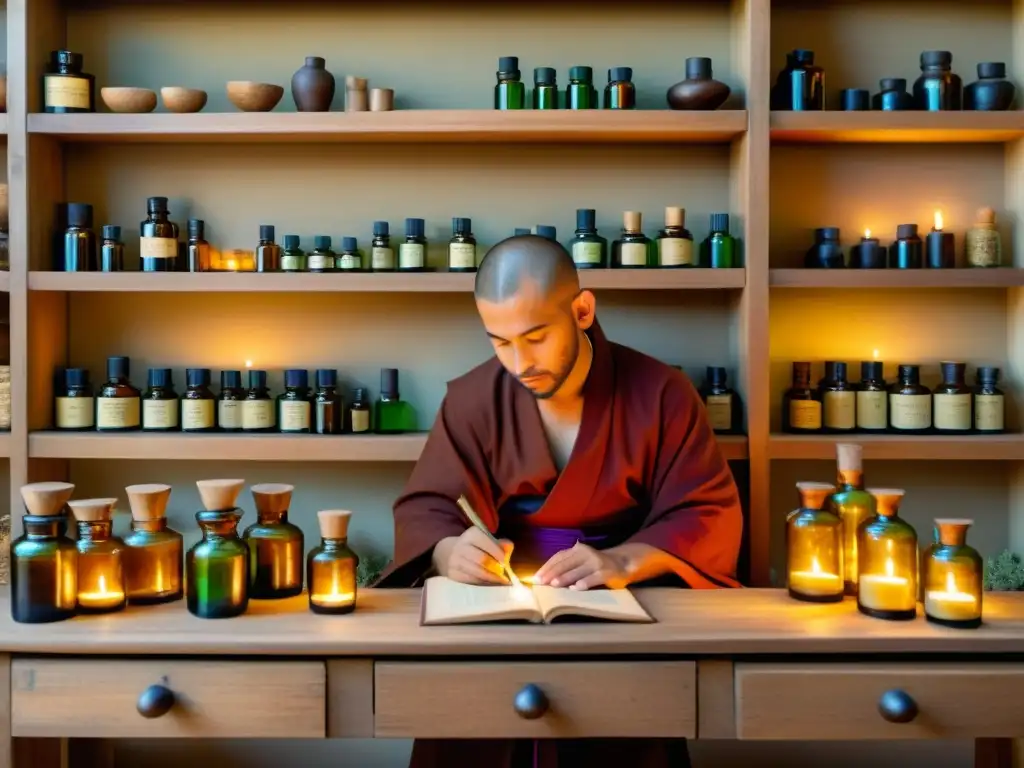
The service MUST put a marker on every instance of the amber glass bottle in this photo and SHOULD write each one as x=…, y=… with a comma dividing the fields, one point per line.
x=101, y=585
x=872, y=398
x=989, y=403
x=910, y=403
x=359, y=412
x=839, y=400
x=293, y=405
x=158, y=245
x=152, y=551
x=160, y=405
x=197, y=411
x=275, y=545
x=268, y=253
x=330, y=406
x=814, y=547
x=258, y=406
x=801, y=405
x=199, y=257
x=44, y=561
x=952, y=575
x=75, y=407
x=887, y=561
x=229, y=402
x=723, y=405
x=118, y=404
x=217, y=568
x=952, y=400
x=331, y=567
x=853, y=504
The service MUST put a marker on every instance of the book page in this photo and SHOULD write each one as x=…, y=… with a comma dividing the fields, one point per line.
x=610, y=604
x=451, y=602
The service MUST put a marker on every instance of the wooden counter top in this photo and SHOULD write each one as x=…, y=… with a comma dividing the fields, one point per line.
x=386, y=623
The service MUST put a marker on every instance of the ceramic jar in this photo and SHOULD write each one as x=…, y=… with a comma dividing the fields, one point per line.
x=699, y=90
x=937, y=89
x=826, y=253
x=313, y=86
x=993, y=92
x=892, y=95
x=801, y=85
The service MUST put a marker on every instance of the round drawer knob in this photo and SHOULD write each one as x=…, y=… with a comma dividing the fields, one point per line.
x=155, y=701
x=530, y=703
x=897, y=707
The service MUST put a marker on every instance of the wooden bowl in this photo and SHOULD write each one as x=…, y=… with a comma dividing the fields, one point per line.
x=128, y=100
x=254, y=97
x=178, y=99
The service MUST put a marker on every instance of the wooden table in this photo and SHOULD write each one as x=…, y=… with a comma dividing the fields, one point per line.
x=746, y=664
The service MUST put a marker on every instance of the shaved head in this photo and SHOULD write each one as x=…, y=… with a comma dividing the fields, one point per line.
x=516, y=262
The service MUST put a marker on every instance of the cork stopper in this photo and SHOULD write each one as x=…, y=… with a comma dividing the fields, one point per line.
x=334, y=523
x=675, y=217
x=272, y=499
x=148, y=501
x=814, y=495
x=92, y=510
x=953, y=530
x=631, y=221
x=217, y=495
x=355, y=83
x=888, y=500
x=986, y=218
x=849, y=457
x=382, y=100
x=46, y=498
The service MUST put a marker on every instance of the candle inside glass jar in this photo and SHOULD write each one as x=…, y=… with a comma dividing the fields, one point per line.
x=868, y=253
x=100, y=596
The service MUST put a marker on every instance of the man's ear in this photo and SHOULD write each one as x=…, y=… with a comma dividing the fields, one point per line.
x=584, y=309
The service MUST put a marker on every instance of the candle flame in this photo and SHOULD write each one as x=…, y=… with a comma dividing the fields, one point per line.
x=815, y=567
x=890, y=567
x=248, y=363
x=938, y=221
x=102, y=584
x=951, y=583
x=867, y=234
x=874, y=354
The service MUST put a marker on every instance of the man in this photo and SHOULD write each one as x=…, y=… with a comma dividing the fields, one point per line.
x=593, y=463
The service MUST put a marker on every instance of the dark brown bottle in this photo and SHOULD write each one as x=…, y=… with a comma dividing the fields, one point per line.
x=79, y=239
x=839, y=400
x=359, y=412
x=229, y=402
x=198, y=248
x=268, y=253
x=951, y=401
x=158, y=245
x=197, y=404
x=910, y=403
x=328, y=403
x=118, y=406
x=872, y=398
x=989, y=402
x=723, y=405
x=801, y=405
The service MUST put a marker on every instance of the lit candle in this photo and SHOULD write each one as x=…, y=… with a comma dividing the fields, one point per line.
x=101, y=597
x=907, y=251
x=333, y=599
x=941, y=246
x=815, y=582
x=950, y=604
x=868, y=253
x=887, y=592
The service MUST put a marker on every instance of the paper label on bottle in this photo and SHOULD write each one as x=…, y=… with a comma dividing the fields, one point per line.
x=76, y=412
x=719, y=408
x=229, y=414
x=293, y=263
x=5, y=397
x=989, y=413
x=382, y=258
x=675, y=252
x=67, y=92
x=840, y=410
x=805, y=414
x=360, y=420
x=158, y=248
x=910, y=411
x=349, y=261
x=586, y=253
x=117, y=412
x=953, y=412
x=159, y=414
x=257, y=414
x=461, y=255
x=984, y=248
x=410, y=256
x=196, y=414
x=319, y=261
x=294, y=415
x=633, y=254
x=872, y=410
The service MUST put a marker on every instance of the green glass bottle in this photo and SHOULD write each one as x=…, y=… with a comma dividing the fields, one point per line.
x=887, y=561
x=152, y=551
x=293, y=258
x=44, y=561
x=217, y=567
x=331, y=567
x=581, y=93
x=322, y=258
x=589, y=250
x=275, y=545
x=101, y=585
x=718, y=250
x=510, y=92
x=633, y=248
x=392, y=415
x=952, y=575
x=853, y=505
x=545, y=88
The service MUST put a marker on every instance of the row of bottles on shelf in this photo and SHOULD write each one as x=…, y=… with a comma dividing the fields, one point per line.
x=906, y=406
x=845, y=540
x=121, y=407
x=54, y=578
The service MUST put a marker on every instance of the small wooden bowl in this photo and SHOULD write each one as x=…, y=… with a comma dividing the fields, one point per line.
x=254, y=97
x=178, y=99
x=128, y=100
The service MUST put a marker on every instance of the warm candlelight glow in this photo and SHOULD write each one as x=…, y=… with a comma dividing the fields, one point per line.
x=887, y=592
x=938, y=221
x=874, y=354
x=101, y=597
x=951, y=604
x=334, y=599
x=231, y=265
x=815, y=581
x=248, y=363
x=867, y=234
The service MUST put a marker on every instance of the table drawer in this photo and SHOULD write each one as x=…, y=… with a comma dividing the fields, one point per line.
x=208, y=699
x=534, y=699
x=943, y=700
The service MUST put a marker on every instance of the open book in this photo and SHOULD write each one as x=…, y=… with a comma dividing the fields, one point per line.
x=450, y=602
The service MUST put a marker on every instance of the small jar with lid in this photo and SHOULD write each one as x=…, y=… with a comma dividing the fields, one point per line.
x=258, y=412
x=462, y=246
x=814, y=547
x=887, y=560
x=152, y=551
x=275, y=545
x=581, y=93
x=44, y=561
x=293, y=405
x=510, y=92
x=545, y=88
x=620, y=93
x=872, y=398
x=111, y=249
x=910, y=403
x=321, y=258
x=331, y=567
x=952, y=401
x=938, y=89
x=827, y=252
x=118, y=404
x=412, y=254
x=197, y=404
x=982, y=242
x=75, y=406
x=101, y=585
x=989, y=403
x=66, y=88
x=907, y=251
x=351, y=258
x=382, y=255
x=160, y=402
x=359, y=421
x=229, y=402
x=892, y=95
x=80, y=240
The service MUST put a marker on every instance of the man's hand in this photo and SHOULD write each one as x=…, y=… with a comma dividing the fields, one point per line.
x=584, y=567
x=472, y=558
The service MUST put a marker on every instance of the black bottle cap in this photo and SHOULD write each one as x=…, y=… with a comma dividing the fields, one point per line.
x=322, y=242
x=111, y=232
x=720, y=222
x=871, y=370
x=79, y=377
x=196, y=228
x=994, y=69
x=389, y=382
x=159, y=377
x=581, y=73
x=716, y=375
x=156, y=205
x=520, y=231
x=80, y=215
x=296, y=377
x=381, y=229
x=326, y=377
x=802, y=372
x=348, y=244
x=462, y=226
x=698, y=68
x=546, y=230
x=910, y=373
x=415, y=227
x=803, y=56
x=118, y=367
x=508, y=64
x=586, y=218
x=359, y=395
x=197, y=377
x=936, y=59
x=893, y=84
x=67, y=58
x=291, y=242
x=544, y=76
x=826, y=233
x=986, y=374
x=267, y=232
x=855, y=100
x=952, y=371
x=257, y=379
x=618, y=74
x=903, y=231
x=835, y=371
x=230, y=379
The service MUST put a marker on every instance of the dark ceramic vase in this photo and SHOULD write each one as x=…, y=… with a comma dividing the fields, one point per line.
x=892, y=96
x=698, y=90
x=938, y=89
x=826, y=253
x=313, y=86
x=993, y=92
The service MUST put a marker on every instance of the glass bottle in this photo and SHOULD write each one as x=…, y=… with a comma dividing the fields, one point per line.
x=351, y=258
x=258, y=407
x=814, y=547
x=910, y=403
x=545, y=88
x=520, y=231
x=718, y=250
x=5, y=246
x=982, y=242
x=111, y=249
x=293, y=406
x=509, y=93
x=723, y=406
x=293, y=258
x=5, y=370
x=275, y=545
x=907, y=250
x=872, y=398
x=801, y=85
x=160, y=404
x=632, y=249
x=329, y=404
x=952, y=401
x=217, y=567
x=152, y=551
x=827, y=252
x=675, y=243
x=101, y=586
x=197, y=411
x=198, y=250
x=392, y=415
x=66, y=88
x=801, y=405
x=462, y=246
x=620, y=93
x=382, y=256
x=44, y=561
x=412, y=254
x=952, y=572
x=839, y=400
x=118, y=405
x=230, y=402
x=75, y=407
x=158, y=244
x=359, y=412
x=581, y=93
x=322, y=257
x=892, y=95
x=547, y=232
x=79, y=240
x=331, y=567
x=852, y=504
x=887, y=561
x=937, y=89
x=268, y=252
x=989, y=406
x=589, y=250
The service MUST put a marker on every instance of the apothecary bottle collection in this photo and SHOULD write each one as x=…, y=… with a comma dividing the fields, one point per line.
x=54, y=578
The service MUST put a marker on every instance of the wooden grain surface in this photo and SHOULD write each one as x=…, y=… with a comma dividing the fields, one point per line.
x=915, y=127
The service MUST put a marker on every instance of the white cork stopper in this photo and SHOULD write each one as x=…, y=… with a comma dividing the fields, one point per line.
x=334, y=523
x=849, y=457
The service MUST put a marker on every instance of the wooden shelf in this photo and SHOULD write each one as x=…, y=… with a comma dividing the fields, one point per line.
x=915, y=127
x=896, y=278
x=5, y=444
x=426, y=282
x=901, y=448
x=5, y=282
x=441, y=126
x=3, y=124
